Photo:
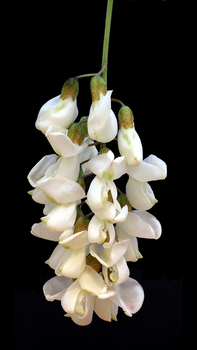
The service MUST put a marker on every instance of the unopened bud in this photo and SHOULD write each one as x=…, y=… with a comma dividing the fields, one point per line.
x=93, y=262
x=125, y=117
x=123, y=200
x=70, y=89
x=81, y=224
x=76, y=133
x=97, y=85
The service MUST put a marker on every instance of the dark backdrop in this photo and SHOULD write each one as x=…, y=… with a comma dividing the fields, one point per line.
x=55, y=44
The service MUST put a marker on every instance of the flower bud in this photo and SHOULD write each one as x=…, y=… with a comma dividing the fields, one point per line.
x=129, y=143
x=123, y=200
x=70, y=89
x=97, y=85
x=125, y=117
x=93, y=262
x=76, y=133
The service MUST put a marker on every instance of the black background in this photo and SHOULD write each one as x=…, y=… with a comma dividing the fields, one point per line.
x=143, y=71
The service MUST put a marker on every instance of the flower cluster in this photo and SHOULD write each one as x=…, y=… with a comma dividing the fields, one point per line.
x=92, y=251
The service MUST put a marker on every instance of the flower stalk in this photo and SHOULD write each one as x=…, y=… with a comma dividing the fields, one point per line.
x=106, y=38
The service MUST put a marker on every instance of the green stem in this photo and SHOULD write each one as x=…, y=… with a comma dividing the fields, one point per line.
x=106, y=37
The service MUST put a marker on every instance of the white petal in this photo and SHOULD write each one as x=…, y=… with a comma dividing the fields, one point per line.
x=129, y=297
x=150, y=220
x=69, y=298
x=74, y=263
x=98, y=115
x=109, y=132
x=56, y=257
x=120, y=271
x=109, y=257
x=98, y=193
x=40, y=230
x=140, y=194
x=105, y=309
x=152, y=168
x=62, y=217
x=107, y=212
x=62, y=144
x=38, y=171
x=134, y=225
x=61, y=190
x=57, y=112
x=86, y=304
x=66, y=168
x=96, y=230
x=56, y=287
x=92, y=282
x=38, y=196
x=75, y=241
x=129, y=145
x=119, y=167
x=100, y=164
x=132, y=253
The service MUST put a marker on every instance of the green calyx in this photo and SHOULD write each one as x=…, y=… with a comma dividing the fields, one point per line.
x=76, y=133
x=125, y=117
x=123, y=200
x=81, y=224
x=93, y=263
x=70, y=89
x=104, y=150
x=84, y=124
x=97, y=85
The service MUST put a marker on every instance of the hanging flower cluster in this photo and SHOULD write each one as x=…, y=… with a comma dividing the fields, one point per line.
x=92, y=251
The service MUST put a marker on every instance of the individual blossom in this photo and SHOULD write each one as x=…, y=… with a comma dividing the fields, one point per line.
x=61, y=217
x=59, y=183
x=64, y=142
x=102, y=123
x=67, y=262
x=89, y=293
x=61, y=110
x=129, y=143
x=138, y=191
x=78, y=298
x=106, y=169
x=139, y=224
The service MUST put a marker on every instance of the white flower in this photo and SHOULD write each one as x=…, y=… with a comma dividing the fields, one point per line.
x=109, y=256
x=42, y=231
x=67, y=262
x=129, y=145
x=38, y=171
x=137, y=224
x=129, y=296
x=138, y=191
x=59, y=184
x=62, y=144
x=99, y=231
x=80, y=298
x=57, y=112
x=107, y=169
x=118, y=273
x=102, y=122
x=61, y=217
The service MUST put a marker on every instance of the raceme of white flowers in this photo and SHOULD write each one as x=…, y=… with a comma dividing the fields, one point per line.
x=91, y=253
